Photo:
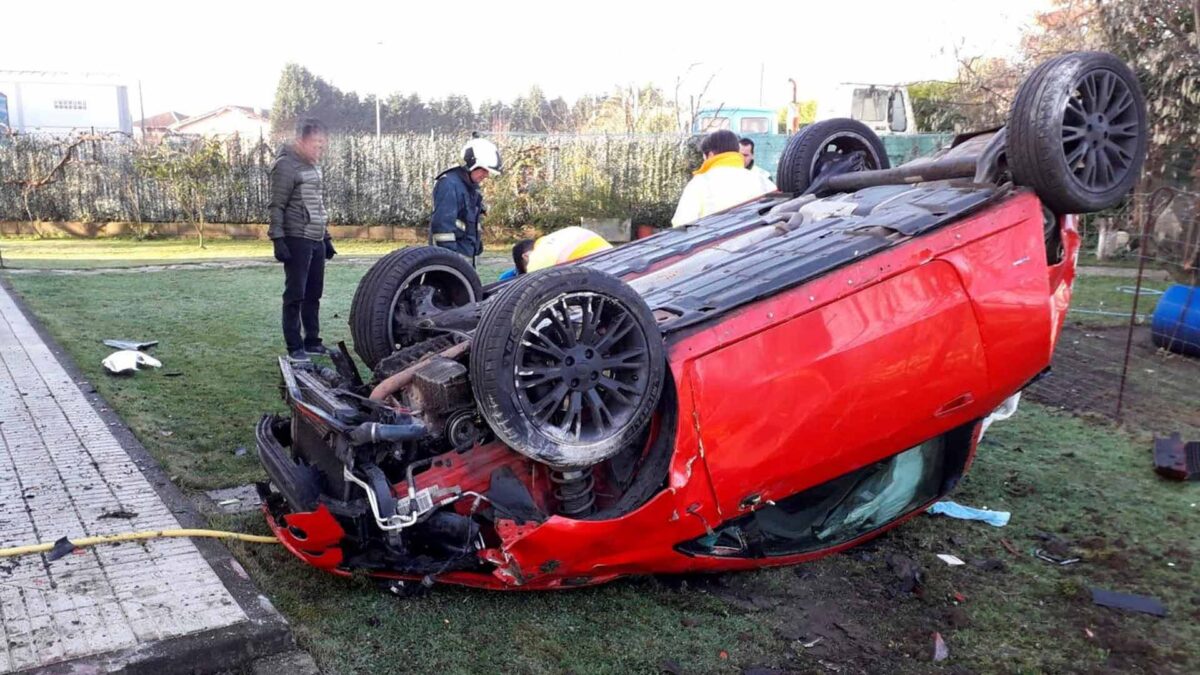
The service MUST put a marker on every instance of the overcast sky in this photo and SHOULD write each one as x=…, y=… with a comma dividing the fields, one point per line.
x=196, y=56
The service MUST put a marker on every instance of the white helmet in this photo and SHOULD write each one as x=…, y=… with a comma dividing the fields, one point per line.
x=482, y=153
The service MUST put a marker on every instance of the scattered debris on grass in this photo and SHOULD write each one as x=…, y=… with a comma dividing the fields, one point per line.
x=1042, y=554
x=951, y=560
x=1128, y=601
x=956, y=510
x=127, y=362
x=940, y=651
x=130, y=344
x=1175, y=459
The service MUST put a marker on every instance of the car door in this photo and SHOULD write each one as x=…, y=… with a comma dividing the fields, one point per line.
x=839, y=387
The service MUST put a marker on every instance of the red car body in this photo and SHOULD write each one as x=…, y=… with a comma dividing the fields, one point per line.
x=783, y=394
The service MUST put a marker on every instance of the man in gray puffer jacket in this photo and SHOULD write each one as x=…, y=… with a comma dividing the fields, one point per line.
x=301, y=238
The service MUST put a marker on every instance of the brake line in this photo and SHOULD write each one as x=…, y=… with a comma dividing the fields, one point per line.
x=137, y=536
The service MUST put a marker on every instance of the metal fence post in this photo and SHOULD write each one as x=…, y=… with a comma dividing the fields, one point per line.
x=1149, y=216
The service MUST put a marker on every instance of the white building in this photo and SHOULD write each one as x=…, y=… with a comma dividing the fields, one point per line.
x=60, y=103
x=227, y=121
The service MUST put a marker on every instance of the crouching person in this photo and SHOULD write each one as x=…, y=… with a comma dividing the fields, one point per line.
x=300, y=235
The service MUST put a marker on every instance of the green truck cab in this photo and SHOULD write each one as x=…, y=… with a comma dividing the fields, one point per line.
x=886, y=109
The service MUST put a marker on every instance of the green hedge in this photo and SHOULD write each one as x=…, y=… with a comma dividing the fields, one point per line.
x=549, y=180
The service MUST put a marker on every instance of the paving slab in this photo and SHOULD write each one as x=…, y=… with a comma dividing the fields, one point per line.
x=160, y=605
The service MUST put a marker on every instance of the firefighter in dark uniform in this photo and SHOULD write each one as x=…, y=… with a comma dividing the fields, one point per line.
x=457, y=202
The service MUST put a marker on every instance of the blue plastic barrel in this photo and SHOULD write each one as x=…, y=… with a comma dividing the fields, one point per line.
x=1176, y=322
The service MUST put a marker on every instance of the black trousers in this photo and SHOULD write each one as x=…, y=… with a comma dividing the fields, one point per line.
x=304, y=281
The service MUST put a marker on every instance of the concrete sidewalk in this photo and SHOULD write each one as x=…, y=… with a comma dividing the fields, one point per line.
x=165, y=605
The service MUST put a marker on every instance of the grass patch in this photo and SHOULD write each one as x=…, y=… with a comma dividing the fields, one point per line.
x=1114, y=296
x=1082, y=484
x=30, y=253
x=219, y=336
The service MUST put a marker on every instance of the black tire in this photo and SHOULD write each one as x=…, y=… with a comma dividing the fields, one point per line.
x=808, y=151
x=542, y=383
x=379, y=322
x=1077, y=132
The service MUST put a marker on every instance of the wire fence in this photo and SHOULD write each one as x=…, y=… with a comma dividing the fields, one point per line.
x=1130, y=349
x=550, y=180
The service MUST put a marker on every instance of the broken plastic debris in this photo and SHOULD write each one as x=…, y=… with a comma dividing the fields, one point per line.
x=1175, y=459
x=1007, y=409
x=61, y=548
x=130, y=344
x=1134, y=603
x=239, y=451
x=956, y=510
x=951, y=560
x=1043, y=555
x=940, y=651
x=127, y=361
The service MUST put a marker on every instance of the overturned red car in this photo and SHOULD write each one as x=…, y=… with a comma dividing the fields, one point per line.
x=764, y=386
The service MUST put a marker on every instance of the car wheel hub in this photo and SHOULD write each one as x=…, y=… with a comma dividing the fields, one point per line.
x=1099, y=130
x=582, y=367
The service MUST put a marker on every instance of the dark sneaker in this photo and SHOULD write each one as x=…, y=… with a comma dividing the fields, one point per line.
x=299, y=356
x=319, y=350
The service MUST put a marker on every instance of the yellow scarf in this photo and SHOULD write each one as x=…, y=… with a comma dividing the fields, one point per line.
x=730, y=159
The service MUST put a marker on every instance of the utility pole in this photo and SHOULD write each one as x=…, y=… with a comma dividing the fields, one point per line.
x=762, y=70
x=142, y=110
x=378, y=93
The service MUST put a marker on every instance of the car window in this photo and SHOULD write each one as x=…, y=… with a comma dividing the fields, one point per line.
x=846, y=507
x=869, y=105
x=707, y=124
x=754, y=125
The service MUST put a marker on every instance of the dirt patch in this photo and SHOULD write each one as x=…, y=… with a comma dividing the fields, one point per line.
x=1160, y=393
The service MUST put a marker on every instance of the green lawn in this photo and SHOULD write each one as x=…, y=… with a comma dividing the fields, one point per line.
x=219, y=336
x=1085, y=482
x=1113, y=296
x=33, y=253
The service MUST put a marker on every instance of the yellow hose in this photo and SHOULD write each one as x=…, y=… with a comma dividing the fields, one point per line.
x=134, y=536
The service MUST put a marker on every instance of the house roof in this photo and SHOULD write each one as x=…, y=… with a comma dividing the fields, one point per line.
x=161, y=120
x=254, y=113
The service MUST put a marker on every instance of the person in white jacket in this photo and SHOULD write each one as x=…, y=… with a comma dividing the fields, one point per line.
x=747, y=147
x=721, y=182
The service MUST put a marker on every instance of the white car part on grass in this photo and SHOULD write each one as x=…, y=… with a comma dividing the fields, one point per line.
x=127, y=361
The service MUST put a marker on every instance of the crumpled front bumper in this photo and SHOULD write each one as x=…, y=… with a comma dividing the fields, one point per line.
x=305, y=526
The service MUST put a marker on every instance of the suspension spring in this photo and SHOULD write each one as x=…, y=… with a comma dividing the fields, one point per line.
x=574, y=491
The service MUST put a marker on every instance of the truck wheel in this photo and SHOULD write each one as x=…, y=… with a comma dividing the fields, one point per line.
x=401, y=288
x=1077, y=132
x=567, y=366
x=818, y=146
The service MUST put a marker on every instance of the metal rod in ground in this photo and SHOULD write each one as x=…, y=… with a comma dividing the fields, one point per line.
x=1148, y=217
